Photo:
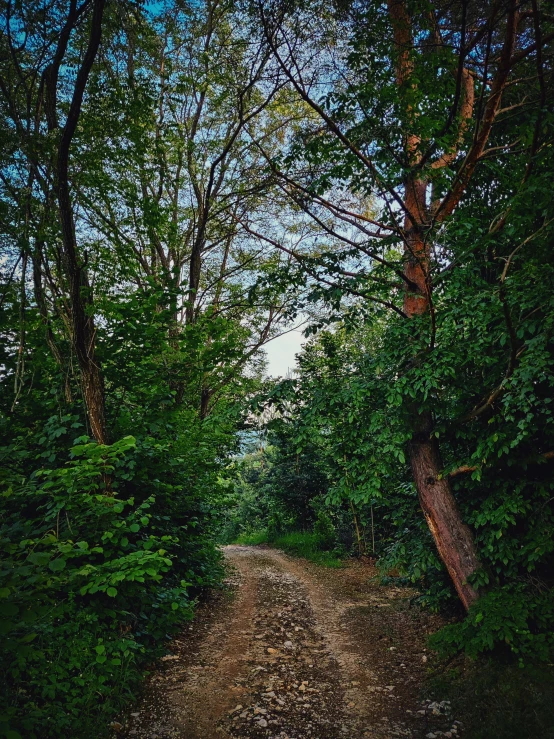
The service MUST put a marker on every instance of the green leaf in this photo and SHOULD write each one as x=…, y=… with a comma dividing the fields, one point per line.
x=9, y=610
x=28, y=638
x=112, y=592
x=57, y=565
x=39, y=558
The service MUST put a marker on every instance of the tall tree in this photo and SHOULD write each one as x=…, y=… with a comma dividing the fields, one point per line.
x=167, y=192
x=414, y=139
x=35, y=99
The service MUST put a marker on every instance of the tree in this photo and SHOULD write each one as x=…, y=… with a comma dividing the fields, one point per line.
x=33, y=102
x=415, y=141
x=167, y=194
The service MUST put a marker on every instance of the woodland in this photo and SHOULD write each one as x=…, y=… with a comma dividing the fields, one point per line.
x=183, y=181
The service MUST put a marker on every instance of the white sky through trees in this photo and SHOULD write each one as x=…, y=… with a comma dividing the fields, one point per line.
x=281, y=352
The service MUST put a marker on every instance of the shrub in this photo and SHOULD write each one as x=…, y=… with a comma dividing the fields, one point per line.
x=325, y=531
x=92, y=580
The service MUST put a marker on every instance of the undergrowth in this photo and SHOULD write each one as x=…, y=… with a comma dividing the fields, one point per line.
x=252, y=539
x=495, y=697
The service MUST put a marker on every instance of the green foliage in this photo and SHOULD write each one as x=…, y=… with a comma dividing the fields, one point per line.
x=324, y=531
x=104, y=564
x=509, y=616
x=85, y=585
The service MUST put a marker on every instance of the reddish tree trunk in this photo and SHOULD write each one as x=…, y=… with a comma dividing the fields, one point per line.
x=452, y=537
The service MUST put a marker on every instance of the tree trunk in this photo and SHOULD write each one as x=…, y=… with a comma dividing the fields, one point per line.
x=82, y=320
x=452, y=537
x=205, y=397
x=195, y=268
x=93, y=394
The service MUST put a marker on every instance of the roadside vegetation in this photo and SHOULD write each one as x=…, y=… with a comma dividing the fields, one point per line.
x=495, y=697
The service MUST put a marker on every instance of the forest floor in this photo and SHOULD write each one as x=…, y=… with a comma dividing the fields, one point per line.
x=291, y=650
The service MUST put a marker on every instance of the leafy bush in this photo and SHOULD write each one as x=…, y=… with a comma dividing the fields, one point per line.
x=325, y=531
x=506, y=616
x=93, y=578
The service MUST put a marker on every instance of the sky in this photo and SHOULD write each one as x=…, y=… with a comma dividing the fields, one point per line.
x=280, y=352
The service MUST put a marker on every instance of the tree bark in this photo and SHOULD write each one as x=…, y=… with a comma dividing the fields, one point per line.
x=453, y=539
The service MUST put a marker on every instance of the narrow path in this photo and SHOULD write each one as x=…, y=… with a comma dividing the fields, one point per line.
x=299, y=652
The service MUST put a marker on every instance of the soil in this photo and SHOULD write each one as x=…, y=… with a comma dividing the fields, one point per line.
x=291, y=650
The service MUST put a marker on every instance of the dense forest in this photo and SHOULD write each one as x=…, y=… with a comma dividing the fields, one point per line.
x=182, y=182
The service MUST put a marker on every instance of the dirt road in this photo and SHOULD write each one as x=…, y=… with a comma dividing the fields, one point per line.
x=297, y=652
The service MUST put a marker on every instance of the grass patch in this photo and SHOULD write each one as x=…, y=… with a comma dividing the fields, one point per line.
x=252, y=539
x=307, y=545
x=298, y=543
x=494, y=698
